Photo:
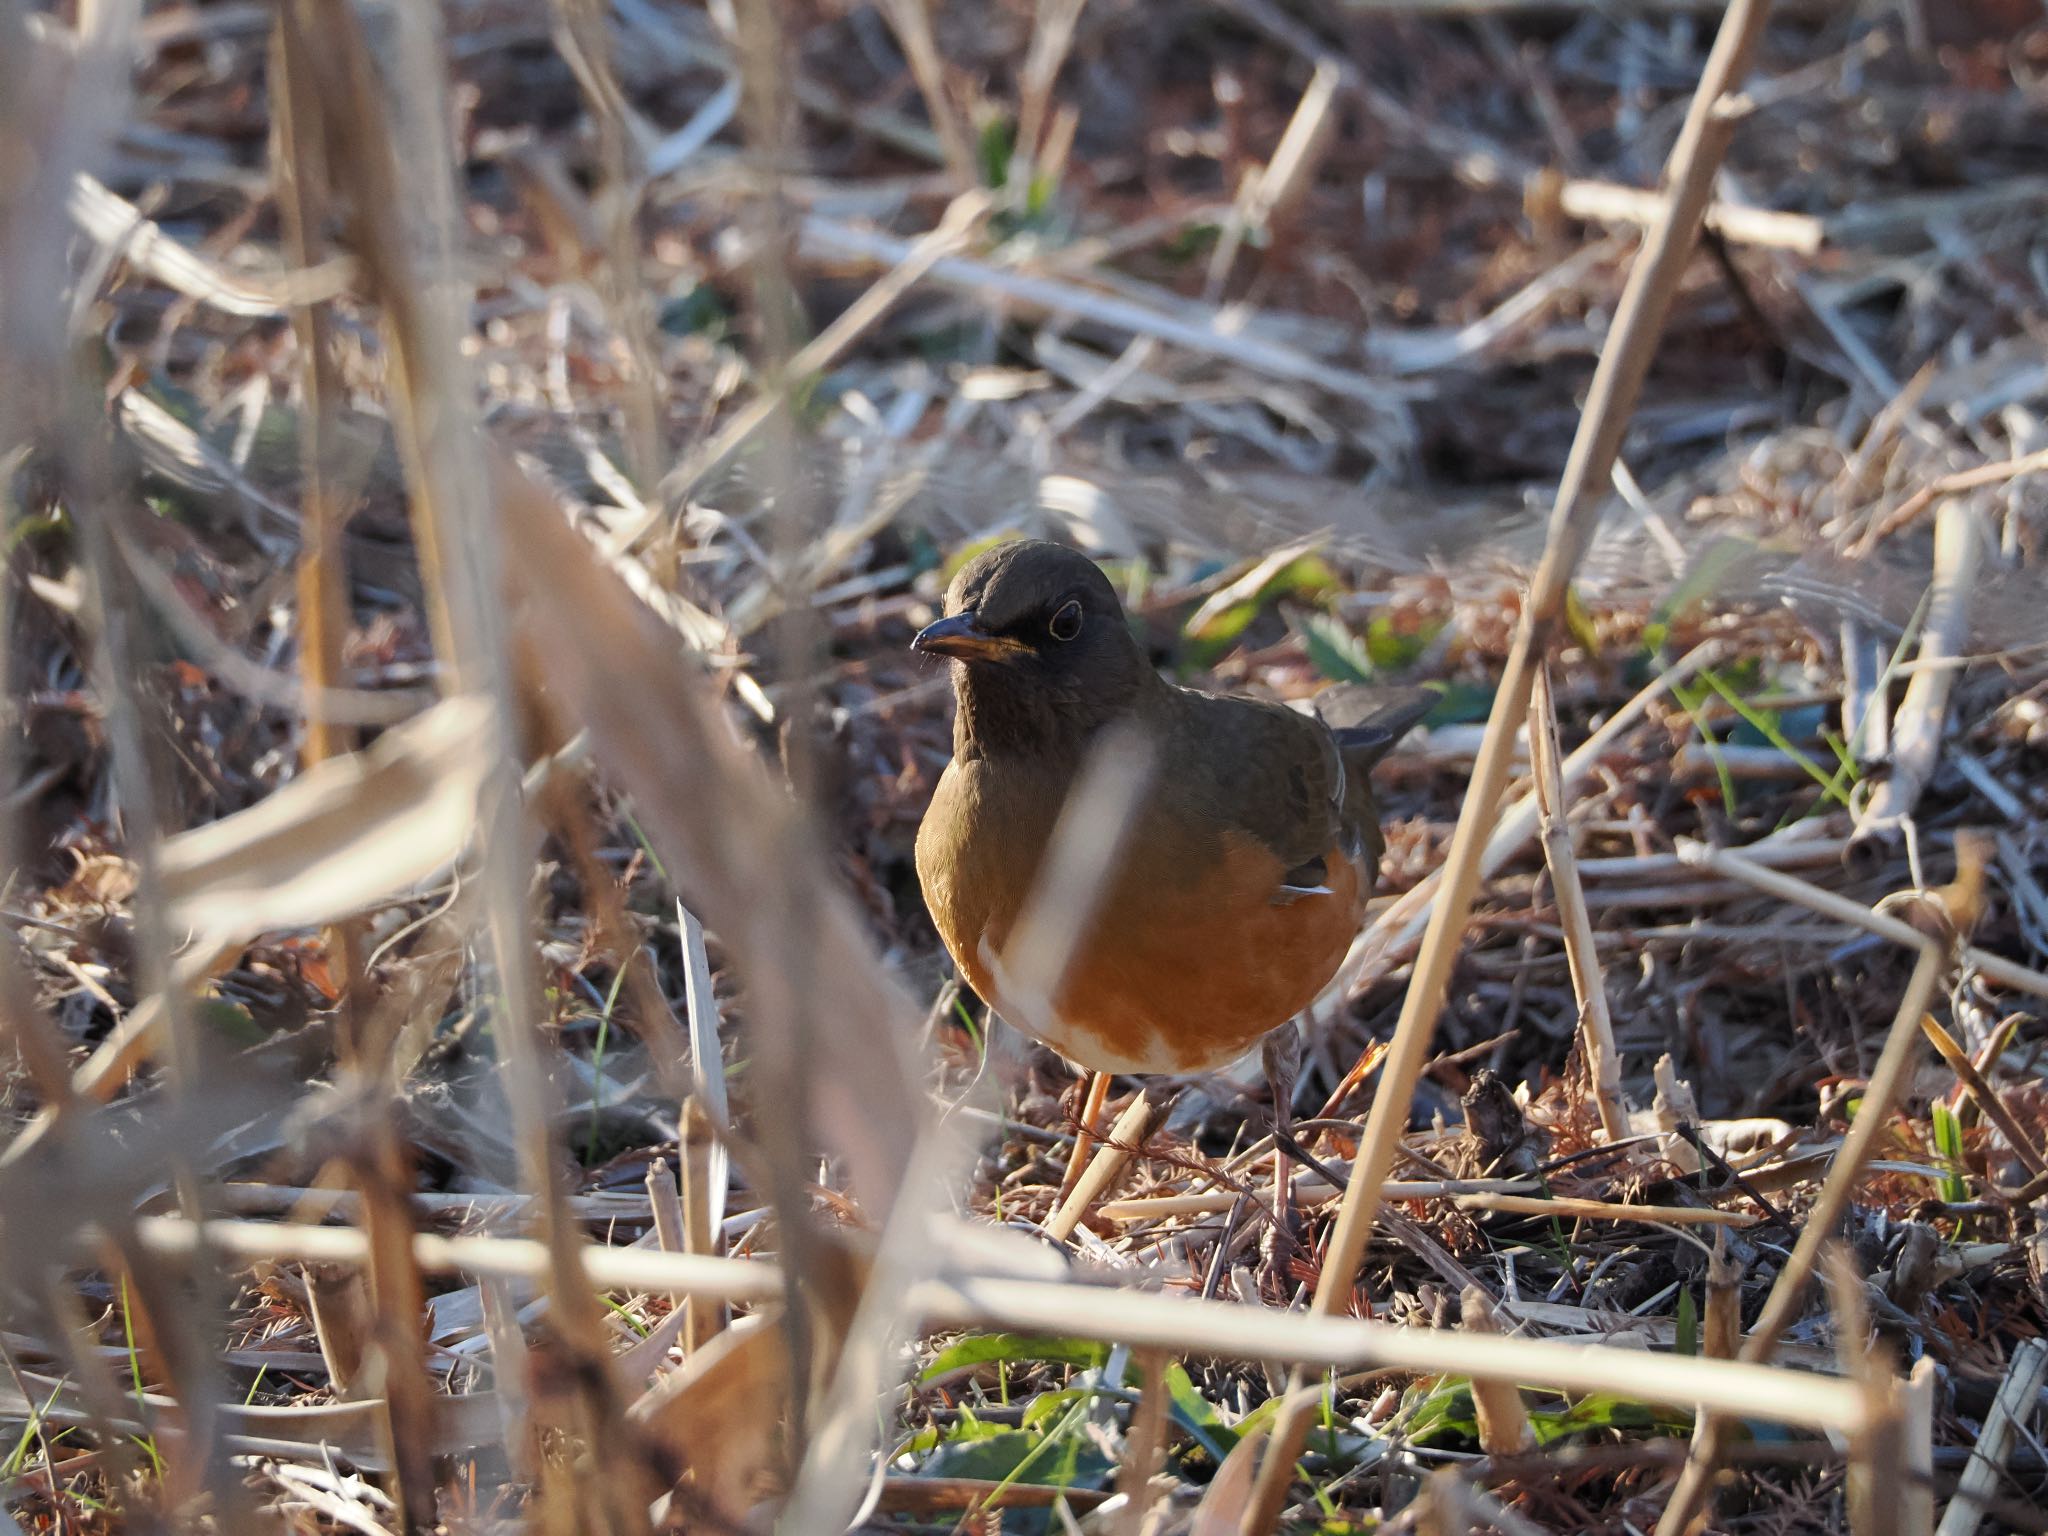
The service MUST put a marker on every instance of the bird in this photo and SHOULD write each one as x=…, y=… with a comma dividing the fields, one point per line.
x=1239, y=884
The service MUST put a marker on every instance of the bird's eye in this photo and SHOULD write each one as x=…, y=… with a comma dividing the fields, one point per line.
x=1066, y=624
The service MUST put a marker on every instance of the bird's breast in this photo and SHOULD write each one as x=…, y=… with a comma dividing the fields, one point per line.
x=1193, y=951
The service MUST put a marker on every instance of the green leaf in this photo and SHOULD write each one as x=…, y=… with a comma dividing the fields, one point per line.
x=983, y=1348
x=993, y=149
x=1394, y=649
x=1216, y=625
x=1333, y=650
x=1197, y=1415
x=1579, y=624
x=1948, y=1141
x=1704, y=576
x=1688, y=1323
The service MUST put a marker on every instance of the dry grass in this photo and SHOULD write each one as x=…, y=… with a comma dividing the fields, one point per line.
x=477, y=1058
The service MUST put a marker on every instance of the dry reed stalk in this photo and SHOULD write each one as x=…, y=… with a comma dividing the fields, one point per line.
x=1721, y=1317
x=911, y=21
x=1145, y=1444
x=1102, y=1169
x=1548, y=196
x=703, y=1175
x=382, y=1170
x=411, y=271
x=1504, y=1428
x=1093, y=1100
x=1617, y=381
x=1596, y=1024
x=1947, y=485
x=1877, y=1451
x=583, y=37
x=1916, y=1499
x=1310, y=1188
x=665, y=1206
x=1180, y=1325
x=1737, y=865
x=1922, y=719
x=2018, y=1400
x=181, y=1323
x=26, y=248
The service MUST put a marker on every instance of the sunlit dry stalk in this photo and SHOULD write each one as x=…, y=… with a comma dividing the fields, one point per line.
x=1502, y=1416
x=434, y=423
x=1180, y=1325
x=1878, y=1451
x=79, y=112
x=700, y=1169
x=1596, y=1025
x=1617, y=381
x=911, y=20
x=1145, y=1441
x=1102, y=1169
x=383, y=1171
x=1921, y=723
x=779, y=1071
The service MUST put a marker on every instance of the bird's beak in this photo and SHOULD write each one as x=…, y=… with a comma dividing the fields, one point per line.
x=961, y=635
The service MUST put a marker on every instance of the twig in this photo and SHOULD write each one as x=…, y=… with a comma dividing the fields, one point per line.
x=1624, y=362
x=1947, y=485
x=1922, y=719
x=1102, y=1169
x=1596, y=1025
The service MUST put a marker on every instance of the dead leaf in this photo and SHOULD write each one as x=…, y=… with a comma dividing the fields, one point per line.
x=346, y=835
x=1222, y=1509
x=720, y=1414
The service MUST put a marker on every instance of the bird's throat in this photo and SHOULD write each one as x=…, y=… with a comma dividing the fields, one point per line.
x=1001, y=712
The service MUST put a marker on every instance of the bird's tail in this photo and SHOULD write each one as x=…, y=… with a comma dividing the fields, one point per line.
x=1367, y=722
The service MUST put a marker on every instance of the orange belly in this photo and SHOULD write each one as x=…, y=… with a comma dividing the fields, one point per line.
x=1169, y=976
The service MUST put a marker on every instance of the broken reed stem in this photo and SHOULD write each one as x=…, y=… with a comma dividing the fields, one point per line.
x=1102, y=1169
x=1617, y=381
x=1503, y=1418
x=701, y=1168
x=1596, y=1024
x=2017, y=1398
x=1916, y=1499
x=1987, y=1097
x=1878, y=1450
x=1788, y=1292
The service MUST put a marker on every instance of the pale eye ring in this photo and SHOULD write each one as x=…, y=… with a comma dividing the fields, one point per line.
x=1066, y=624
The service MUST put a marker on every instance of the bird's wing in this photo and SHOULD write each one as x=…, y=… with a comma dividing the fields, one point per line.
x=1262, y=770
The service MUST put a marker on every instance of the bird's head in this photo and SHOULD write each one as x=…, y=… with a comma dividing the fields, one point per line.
x=1042, y=643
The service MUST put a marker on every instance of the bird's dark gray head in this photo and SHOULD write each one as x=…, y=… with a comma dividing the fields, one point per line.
x=1044, y=654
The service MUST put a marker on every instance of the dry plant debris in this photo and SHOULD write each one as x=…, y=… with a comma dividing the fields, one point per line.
x=476, y=1059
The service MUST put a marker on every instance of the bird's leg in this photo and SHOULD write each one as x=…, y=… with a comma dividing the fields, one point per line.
x=1280, y=1052
x=1093, y=1099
